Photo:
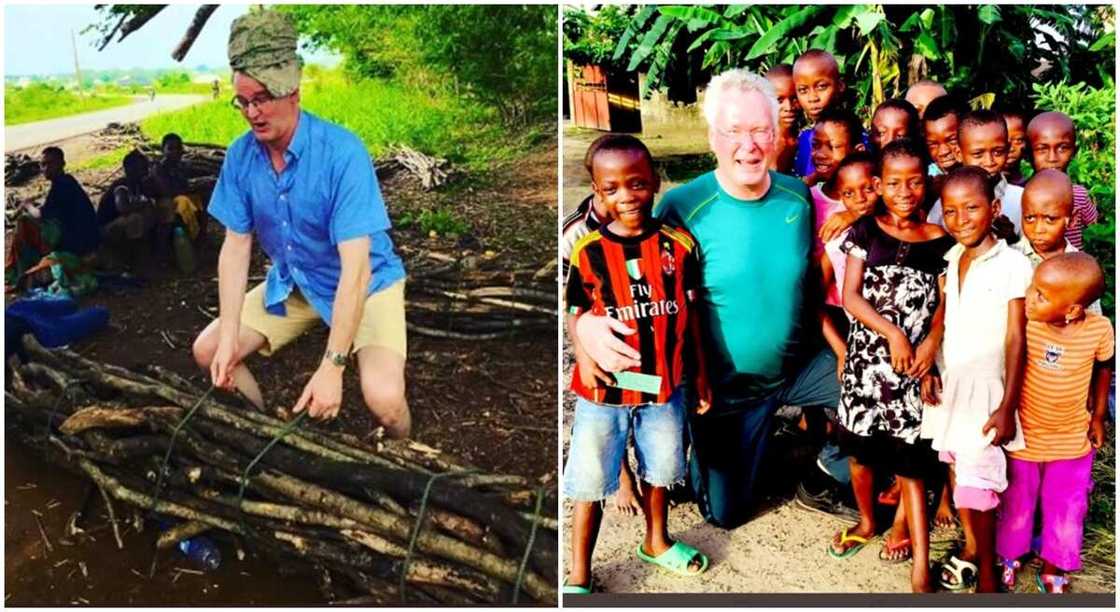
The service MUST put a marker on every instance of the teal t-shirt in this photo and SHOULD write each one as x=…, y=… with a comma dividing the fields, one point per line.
x=754, y=257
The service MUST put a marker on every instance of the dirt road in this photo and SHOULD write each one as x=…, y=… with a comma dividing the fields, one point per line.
x=39, y=133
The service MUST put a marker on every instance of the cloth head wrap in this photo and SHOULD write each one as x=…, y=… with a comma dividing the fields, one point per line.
x=262, y=44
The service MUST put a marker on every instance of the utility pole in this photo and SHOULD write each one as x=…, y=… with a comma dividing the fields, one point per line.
x=77, y=68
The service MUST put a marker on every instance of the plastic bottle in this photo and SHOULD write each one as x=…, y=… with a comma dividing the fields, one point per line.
x=184, y=250
x=202, y=551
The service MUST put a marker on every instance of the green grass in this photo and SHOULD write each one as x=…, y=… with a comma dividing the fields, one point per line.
x=111, y=159
x=40, y=101
x=381, y=113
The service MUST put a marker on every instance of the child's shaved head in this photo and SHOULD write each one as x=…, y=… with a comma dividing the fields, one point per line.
x=1051, y=120
x=973, y=176
x=923, y=92
x=780, y=70
x=1052, y=138
x=1077, y=274
x=980, y=118
x=1049, y=187
x=816, y=80
x=818, y=57
x=614, y=142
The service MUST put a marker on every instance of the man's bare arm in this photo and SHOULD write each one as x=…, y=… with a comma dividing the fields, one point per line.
x=350, y=297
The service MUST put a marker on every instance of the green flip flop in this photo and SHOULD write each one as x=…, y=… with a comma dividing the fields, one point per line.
x=677, y=559
x=575, y=589
x=845, y=537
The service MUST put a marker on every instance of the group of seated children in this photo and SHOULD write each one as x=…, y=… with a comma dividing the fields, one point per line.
x=966, y=323
x=57, y=245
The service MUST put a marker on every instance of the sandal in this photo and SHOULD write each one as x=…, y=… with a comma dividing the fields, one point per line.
x=1051, y=583
x=845, y=538
x=1007, y=576
x=963, y=574
x=890, y=551
x=677, y=559
x=575, y=589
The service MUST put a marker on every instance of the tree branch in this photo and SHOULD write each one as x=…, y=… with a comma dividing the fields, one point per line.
x=199, y=21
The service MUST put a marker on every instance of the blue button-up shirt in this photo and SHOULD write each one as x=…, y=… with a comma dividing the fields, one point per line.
x=326, y=194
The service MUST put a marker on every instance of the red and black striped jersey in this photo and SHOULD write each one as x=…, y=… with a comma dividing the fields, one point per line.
x=647, y=282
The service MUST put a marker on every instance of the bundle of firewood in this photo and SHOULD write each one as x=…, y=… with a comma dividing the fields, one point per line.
x=394, y=520
x=19, y=168
x=475, y=297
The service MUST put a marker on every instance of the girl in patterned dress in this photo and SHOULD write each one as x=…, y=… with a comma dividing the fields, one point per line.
x=891, y=290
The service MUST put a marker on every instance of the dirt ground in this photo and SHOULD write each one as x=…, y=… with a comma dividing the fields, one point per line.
x=782, y=549
x=492, y=403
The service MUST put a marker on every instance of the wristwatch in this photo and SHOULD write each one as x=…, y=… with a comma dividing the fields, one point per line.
x=336, y=358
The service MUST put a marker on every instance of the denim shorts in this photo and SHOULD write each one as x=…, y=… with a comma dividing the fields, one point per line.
x=598, y=446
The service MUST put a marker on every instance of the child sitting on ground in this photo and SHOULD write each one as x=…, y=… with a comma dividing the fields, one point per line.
x=586, y=218
x=1047, y=208
x=890, y=289
x=1053, y=143
x=785, y=144
x=659, y=277
x=1069, y=366
x=971, y=406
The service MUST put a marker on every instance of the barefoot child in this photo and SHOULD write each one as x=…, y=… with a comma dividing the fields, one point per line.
x=1053, y=143
x=781, y=77
x=890, y=289
x=1069, y=365
x=644, y=275
x=586, y=218
x=970, y=408
x=1047, y=209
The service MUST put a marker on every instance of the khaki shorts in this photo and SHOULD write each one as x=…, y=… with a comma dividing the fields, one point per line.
x=382, y=321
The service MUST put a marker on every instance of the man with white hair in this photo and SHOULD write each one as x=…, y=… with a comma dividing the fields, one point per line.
x=760, y=299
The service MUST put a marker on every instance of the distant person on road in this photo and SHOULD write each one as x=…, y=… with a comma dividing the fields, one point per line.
x=50, y=244
x=152, y=93
x=216, y=88
x=307, y=188
x=129, y=212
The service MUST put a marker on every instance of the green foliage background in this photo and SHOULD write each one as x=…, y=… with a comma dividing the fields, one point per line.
x=989, y=49
x=503, y=56
x=40, y=101
x=381, y=112
x=1093, y=110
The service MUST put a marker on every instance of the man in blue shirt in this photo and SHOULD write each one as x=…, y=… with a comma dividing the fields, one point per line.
x=307, y=189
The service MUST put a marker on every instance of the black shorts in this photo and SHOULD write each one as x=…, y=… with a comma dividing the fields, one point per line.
x=882, y=451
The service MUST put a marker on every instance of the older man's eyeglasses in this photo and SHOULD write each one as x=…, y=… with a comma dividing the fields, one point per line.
x=258, y=101
x=761, y=136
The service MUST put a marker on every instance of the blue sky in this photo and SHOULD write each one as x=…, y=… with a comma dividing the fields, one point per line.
x=37, y=40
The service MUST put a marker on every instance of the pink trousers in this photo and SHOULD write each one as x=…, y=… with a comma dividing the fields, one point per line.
x=1061, y=490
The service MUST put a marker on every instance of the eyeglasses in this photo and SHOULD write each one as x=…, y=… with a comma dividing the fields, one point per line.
x=761, y=136
x=258, y=102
